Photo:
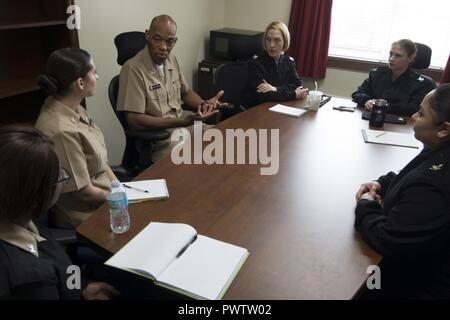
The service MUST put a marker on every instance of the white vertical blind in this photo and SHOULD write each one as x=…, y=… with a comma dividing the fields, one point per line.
x=365, y=29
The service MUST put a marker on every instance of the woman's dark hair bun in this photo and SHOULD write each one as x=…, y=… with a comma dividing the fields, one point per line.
x=48, y=83
x=64, y=66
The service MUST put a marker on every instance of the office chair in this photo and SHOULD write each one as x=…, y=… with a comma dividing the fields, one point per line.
x=423, y=57
x=79, y=254
x=139, y=144
x=232, y=78
x=422, y=62
x=445, y=78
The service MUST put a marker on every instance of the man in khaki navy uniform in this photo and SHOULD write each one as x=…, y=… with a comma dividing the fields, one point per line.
x=81, y=150
x=152, y=88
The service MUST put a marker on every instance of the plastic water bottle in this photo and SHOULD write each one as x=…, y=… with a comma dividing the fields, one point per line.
x=118, y=208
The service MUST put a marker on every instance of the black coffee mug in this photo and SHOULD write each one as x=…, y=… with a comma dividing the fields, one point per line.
x=378, y=113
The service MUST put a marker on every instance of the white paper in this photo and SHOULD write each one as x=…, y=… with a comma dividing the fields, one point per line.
x=205, y=268
x=154, y=248
x=390, y=138
x=289, y=111
x=157, y=189
x=336, y=102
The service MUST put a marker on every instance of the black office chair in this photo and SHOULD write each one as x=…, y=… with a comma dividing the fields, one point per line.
x=78, y=252
x=423, y=57
x=422, y=62
x=232, y=78
x=139, y=144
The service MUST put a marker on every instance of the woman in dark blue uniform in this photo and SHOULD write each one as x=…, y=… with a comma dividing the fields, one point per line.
x=401, y=86
x=405, y=217
x=273, y=76
x=32, y=264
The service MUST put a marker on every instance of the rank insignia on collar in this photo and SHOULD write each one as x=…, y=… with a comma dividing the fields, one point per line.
x=436, y=167
x=421, y=79
x=31, y=248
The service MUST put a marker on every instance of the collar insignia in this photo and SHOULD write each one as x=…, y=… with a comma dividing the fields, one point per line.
x=31, y=248
x=436, y=167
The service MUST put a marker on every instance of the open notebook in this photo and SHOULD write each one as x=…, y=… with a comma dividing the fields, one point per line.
x=138, y=191
x=289, y=111
x=390, y=138
x=175, y=257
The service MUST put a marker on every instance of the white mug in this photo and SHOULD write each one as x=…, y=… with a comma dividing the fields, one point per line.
x=314, y=98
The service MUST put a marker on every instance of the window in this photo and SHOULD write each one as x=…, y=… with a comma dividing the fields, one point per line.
x=364, y=29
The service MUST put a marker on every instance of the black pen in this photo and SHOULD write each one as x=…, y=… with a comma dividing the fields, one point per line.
x=343, y=108
x=186, y=246
x=137, y=189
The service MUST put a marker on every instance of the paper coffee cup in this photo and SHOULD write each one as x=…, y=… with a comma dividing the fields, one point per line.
x=314, y=98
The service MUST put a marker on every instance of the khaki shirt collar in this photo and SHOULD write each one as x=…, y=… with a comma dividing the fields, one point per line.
x=23, y=238
x=60, y=108
x=151, y=66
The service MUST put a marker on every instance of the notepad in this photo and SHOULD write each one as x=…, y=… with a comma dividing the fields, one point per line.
x=157, y=189
x=174, y=256
x=337, y=102
x=390, y=138
x=289, y=111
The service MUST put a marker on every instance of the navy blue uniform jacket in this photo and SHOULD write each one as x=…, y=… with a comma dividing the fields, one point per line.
x=404, y=95
x=283, y=76
x=412, y=228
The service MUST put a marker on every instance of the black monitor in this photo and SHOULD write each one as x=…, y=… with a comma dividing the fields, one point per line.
x=235, y=44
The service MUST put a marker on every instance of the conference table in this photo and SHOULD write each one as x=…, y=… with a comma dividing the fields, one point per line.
x=297, y=224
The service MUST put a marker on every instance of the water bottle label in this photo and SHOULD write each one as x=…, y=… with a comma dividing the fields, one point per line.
x=118, y=204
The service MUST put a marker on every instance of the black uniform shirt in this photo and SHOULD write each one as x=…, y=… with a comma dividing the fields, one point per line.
x=411, y=230
x=33, y=266
x=283, y=76
x=404, y=95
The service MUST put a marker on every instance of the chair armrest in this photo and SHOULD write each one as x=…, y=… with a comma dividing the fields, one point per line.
x=122, y=172
x=229, y=111
x=64, y=236
x=150, y=135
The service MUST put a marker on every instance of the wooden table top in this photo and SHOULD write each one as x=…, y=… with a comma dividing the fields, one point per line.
x=297, y=224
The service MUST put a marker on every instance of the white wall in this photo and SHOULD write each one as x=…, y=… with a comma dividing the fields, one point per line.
x=102, y=20
x=257, y=14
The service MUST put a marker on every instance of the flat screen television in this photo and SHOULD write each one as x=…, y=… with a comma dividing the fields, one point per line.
x=235, y=44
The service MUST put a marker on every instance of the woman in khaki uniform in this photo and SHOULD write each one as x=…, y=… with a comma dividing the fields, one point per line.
x=71, y=76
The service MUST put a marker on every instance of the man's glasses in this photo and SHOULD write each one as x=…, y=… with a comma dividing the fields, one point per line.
x=64, y=176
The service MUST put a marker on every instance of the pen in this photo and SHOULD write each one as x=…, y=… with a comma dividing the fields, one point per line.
x=137, y=189
x=342, y=108
x=381, y=134
x=186, y=246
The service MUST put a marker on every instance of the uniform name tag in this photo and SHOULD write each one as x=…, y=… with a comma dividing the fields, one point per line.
x=156, y=86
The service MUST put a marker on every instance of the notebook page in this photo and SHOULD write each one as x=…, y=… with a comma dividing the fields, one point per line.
x=157, y=189
x=154, y=248
x=206, y=268
x=336, y=102
x=390, y=138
